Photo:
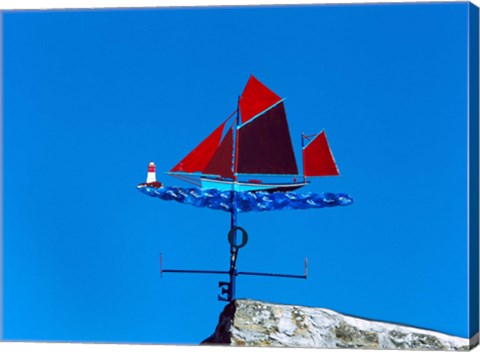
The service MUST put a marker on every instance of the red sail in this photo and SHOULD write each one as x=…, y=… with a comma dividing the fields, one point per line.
x=255, y=99
x=198, y=158
x=222, y=161
x=264, y=145
x=318, y=159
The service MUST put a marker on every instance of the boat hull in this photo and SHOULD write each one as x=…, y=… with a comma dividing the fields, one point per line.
x=153, y=184
x=239, y=186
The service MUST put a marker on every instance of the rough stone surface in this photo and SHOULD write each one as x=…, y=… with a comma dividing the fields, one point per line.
x=256, y=323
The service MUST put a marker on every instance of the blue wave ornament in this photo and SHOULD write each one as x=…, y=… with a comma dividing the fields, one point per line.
x=248, y=201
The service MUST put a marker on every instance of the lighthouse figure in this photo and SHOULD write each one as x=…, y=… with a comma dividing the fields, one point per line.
x=151, y=177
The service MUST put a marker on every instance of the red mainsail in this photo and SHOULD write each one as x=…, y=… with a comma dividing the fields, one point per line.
x=198, y=158
x=264, y=145
x=318, y=159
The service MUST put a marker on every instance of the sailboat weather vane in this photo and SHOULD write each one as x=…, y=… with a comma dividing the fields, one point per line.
x=229, y=169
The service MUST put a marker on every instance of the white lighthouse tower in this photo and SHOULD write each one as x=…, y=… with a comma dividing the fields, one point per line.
x=151, y=177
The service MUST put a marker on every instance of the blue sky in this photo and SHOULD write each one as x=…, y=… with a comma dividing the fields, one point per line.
x=90, y=97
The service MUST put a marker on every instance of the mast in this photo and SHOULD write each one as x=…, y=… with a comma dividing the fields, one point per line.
x=303, y=157
x=235, y=148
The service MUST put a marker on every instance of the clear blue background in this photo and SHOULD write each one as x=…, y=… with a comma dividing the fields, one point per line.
x=90, y=97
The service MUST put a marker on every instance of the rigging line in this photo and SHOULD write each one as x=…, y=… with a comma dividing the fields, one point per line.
x=189, y=180
x=230, y=116
x=190, y=174
x=311, y=140
x=186, y=179
x=308, y=137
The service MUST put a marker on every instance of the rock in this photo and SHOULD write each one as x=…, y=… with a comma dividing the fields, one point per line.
x=255, y=323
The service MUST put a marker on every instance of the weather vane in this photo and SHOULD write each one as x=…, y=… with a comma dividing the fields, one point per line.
x=229, y=169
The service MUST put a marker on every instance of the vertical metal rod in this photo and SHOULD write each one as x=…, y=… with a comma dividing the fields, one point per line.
x=305, y=272
x=303, y=157
x=233, y=218
x=161, y=264
x=235, y=146
x=233, y=251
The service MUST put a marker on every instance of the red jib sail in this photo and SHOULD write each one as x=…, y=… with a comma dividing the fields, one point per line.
x=198, y=158
x=256, y=98
x=318, y=159
x=222, y=161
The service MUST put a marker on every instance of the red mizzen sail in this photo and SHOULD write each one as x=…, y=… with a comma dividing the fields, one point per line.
x=197, y=159
x=222, y=161
x=264, y=145
x=318, y=159
x=256, y=98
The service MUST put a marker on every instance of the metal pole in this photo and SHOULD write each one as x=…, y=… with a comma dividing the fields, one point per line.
x=233, y=217
x=233, y=251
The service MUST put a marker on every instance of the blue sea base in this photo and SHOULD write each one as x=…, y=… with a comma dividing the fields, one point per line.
x=248, y=201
